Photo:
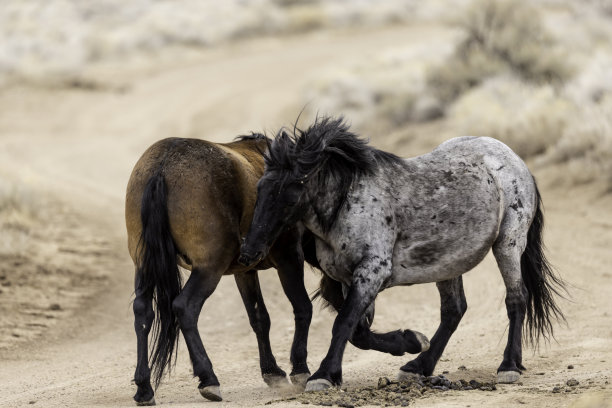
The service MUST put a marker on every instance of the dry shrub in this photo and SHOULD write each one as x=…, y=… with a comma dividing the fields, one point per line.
x=530, y=119
x=586, y=144
x=500, y=36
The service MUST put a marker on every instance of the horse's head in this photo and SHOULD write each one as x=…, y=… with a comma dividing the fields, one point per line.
x=323, y=160
x=280, y=200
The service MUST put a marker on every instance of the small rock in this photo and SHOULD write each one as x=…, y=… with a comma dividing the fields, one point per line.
x=32, y=402
x=570, y=367
x=475, y=384
x=456, y=385
x=486, y=388
x=462, y=368
x=445, y=372
x=572, y=382
x=55, y=306
x=434, y=380
x=383, y=382
x=556, y=390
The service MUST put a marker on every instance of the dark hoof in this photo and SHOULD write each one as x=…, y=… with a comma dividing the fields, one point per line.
x=318, y=384
x=211, y=392
x=300, y=380
x=417, y=366
x=276, y=380
x=415, y=342
x=144, y=394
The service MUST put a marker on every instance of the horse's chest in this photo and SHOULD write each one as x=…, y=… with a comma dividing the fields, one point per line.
x=333, y=264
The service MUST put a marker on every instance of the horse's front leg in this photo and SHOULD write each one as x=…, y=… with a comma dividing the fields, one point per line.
x=291, y=274
x=367, y=280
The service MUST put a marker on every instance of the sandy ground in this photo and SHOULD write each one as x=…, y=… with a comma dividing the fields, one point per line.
x=77, y=147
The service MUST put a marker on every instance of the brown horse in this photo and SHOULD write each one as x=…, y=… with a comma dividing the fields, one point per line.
x=189, y=202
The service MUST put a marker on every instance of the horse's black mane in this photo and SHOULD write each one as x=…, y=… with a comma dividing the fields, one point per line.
x=252, y=136
x=327, y=149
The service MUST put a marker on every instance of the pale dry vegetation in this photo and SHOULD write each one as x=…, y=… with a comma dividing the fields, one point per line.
x=52, y=41
x=512, y=74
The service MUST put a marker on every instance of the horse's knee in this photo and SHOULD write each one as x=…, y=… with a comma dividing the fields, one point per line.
x=303, y=314
x=453, y=312
x=260, y=320
x=143, y=312
x=181, y=311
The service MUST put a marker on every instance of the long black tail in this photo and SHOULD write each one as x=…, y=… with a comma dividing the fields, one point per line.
x=543, y=285
x=159, y=274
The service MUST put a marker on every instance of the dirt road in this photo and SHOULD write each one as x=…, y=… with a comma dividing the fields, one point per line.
x=79, y=146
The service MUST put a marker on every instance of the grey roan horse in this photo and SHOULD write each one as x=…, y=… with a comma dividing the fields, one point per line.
x=382, y=221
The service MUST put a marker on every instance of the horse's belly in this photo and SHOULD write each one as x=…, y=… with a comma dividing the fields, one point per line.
x=445, y=255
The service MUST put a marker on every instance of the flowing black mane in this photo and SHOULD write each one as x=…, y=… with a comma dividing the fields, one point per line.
x=252, y=136
x=327, y=150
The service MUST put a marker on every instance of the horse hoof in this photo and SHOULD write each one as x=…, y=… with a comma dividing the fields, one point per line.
x=318, y=384
x=146, y=403
x=211, y=393
x=275, y=380
x=508, y=377
x=406, y=376
x=300, y=380
x=424, y=341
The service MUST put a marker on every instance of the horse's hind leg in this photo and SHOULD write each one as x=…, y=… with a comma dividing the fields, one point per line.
x=143, y=319
x=452, y=309
x=187, y=306
x=250, y=291
x=508, y=256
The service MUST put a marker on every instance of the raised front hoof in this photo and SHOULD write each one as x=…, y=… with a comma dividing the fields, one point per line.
x=423, y=341
x=211, y=393
x=276, y=380
x=300, y=380
x=406, y=376
x=146, y=403
x=318, y=384
x=508, y=377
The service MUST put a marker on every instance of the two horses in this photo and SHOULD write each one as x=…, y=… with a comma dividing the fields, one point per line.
x=368, y=219
x=381, y=221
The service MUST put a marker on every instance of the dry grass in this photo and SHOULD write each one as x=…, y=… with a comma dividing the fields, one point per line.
x=500, y=36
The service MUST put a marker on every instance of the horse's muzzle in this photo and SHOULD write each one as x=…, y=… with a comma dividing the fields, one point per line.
x=247, y=259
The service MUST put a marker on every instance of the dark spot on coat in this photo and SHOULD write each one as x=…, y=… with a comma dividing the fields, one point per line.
x=344, y=245
x=388, y=219
x=501, y=167
x=384, y=263
x=374, y=199
x=434, y=217
x=403, y=266
x=448, y=175
x=425, y=254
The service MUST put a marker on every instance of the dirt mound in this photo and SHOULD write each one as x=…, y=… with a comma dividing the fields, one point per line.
x=390, y=393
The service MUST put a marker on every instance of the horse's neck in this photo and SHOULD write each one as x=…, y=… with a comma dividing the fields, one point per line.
x=324, y=198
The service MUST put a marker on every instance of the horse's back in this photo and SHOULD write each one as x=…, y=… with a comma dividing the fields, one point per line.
x=209, y=186
x=462, y=196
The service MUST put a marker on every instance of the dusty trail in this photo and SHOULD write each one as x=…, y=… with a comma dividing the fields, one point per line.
x=80, y=147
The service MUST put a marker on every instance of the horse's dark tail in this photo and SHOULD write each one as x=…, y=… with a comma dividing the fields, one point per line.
x=543, y=285
x=159, y=273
